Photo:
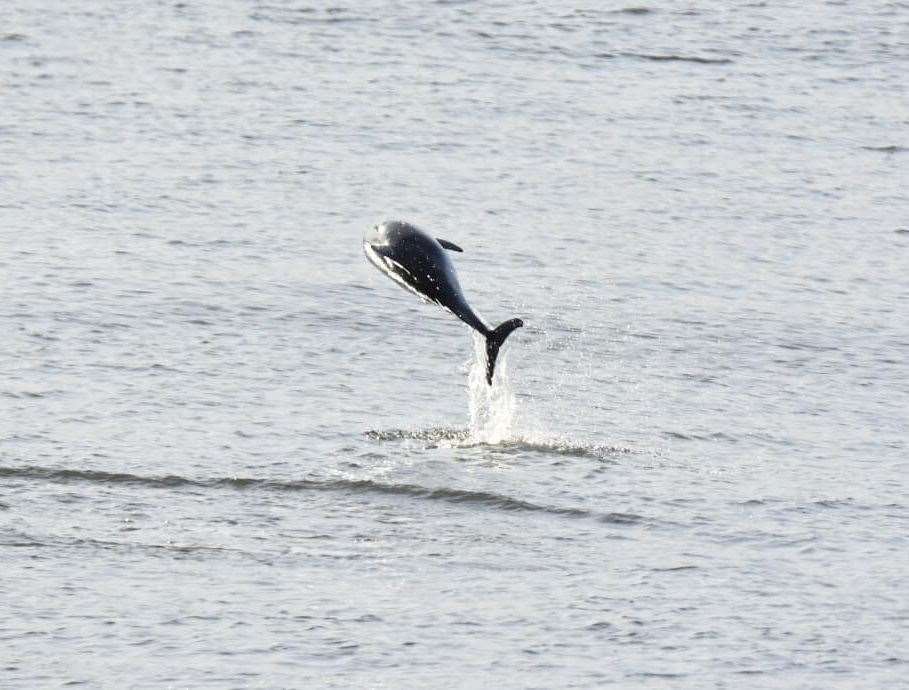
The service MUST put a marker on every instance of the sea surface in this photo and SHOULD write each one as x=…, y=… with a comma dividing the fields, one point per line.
x=234, y=455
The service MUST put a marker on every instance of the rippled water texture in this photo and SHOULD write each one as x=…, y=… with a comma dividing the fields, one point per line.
x=232, y=454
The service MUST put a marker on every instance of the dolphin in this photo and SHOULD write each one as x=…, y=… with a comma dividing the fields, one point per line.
x=418, y=262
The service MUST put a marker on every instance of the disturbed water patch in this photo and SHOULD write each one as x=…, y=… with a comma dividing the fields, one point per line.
x=435, y=434
x=463, y=438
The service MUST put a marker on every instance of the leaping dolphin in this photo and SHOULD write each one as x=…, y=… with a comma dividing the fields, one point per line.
x=418, y=263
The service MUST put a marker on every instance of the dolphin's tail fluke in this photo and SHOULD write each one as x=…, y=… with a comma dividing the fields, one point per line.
x=494, y=341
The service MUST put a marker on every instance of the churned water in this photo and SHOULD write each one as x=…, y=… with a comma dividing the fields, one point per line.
x=232, y=454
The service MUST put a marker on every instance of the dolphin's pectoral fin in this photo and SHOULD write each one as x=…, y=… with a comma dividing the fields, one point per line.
x=449, y=245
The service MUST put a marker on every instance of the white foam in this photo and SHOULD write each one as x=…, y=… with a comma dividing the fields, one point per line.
x=493, y=409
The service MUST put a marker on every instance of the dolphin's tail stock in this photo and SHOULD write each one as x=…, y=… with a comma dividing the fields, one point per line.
x=494, y=341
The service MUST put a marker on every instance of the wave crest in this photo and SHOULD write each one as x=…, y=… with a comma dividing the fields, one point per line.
x=485, y=499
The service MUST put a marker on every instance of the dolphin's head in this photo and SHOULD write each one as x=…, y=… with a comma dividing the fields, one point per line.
x=384, y=233
x=381, y=238
x=374, y=236
x=377, y=240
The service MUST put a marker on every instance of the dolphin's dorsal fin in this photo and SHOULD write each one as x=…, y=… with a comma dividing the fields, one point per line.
x=449, y=245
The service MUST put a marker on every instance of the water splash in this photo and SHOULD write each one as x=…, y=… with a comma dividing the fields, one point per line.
x=493, y=409
x=497, y=422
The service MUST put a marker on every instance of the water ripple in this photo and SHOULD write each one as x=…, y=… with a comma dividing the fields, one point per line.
x=356, y=486
x=679, y=58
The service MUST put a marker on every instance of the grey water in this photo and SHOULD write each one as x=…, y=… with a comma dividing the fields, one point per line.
x=232, y=454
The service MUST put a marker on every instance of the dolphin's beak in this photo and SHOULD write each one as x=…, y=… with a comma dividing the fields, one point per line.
x=375, y=258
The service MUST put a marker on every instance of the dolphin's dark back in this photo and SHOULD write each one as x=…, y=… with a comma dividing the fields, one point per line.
x=419, y=263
